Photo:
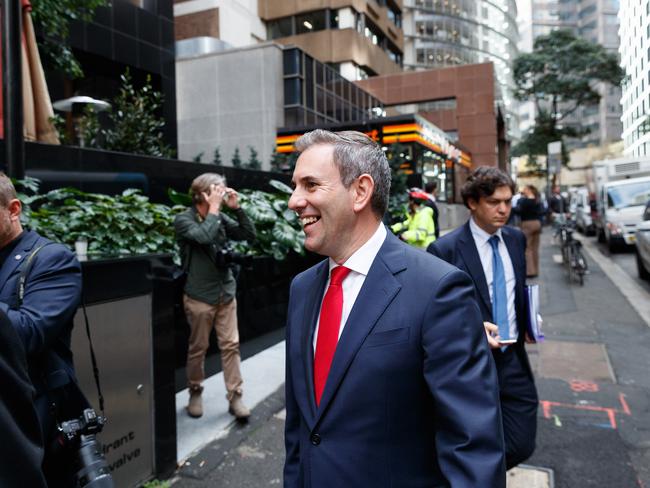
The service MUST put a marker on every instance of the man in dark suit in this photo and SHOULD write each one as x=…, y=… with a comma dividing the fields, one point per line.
x=499, y=279
x=41, y=313
x=389, y=380
x=21, y=449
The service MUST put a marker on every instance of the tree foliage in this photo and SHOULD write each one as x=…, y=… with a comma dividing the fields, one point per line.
x=560, y=76
x=52, y=20
x=134, y=124
x=216, y=157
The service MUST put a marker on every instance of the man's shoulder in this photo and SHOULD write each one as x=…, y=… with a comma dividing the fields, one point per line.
x=449, y=240
x=188, y=213
x=309, y=274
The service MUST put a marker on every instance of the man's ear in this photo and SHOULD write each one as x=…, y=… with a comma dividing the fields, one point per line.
x=363, y=188
x=472, y=204
x=15, y=208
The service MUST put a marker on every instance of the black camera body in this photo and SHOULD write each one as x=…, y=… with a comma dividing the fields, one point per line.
x=227, y=257
x=92, y=470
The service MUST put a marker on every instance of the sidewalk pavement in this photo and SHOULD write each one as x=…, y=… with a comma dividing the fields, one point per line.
x=591, y=373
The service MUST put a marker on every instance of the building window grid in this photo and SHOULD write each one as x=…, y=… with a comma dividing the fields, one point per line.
x=324, y=95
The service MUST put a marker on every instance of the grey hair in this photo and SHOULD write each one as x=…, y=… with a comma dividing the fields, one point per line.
x=355, y=154
x=7, y=190
x=202, y=184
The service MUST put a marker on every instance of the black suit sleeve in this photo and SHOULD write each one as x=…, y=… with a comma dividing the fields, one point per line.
x=21, y=448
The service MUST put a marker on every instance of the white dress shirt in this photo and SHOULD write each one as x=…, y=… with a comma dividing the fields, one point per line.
x=359, y=264
x=484, y=248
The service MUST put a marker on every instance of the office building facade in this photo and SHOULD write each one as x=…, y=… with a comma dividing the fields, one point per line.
x=635, y=60
x=443, y=33
x=357, y=38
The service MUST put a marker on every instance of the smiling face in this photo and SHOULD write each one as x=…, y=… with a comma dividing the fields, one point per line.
x=492, y=212
x=325, y=207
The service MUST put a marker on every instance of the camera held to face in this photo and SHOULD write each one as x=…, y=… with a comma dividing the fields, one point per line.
x=92, y=470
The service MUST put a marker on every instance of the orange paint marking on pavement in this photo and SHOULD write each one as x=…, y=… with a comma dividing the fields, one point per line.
x=578, y=385
x=547, y=408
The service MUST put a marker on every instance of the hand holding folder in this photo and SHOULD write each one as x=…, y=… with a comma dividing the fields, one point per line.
x=534, y=319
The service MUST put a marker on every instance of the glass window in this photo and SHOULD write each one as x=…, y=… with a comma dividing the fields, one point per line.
x=294, y=117
x=281, y=28
x=292, y=91
x=292, y=61
x=311, y=22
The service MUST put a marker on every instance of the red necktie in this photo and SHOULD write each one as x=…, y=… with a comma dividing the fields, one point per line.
x=328, y=329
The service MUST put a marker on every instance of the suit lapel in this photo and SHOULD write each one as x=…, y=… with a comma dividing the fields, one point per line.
x=14, y=260
x=473, y=265
x=379, y=289
x=313, y=299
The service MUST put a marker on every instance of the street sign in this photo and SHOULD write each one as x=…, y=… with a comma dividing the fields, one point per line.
x=554, y=157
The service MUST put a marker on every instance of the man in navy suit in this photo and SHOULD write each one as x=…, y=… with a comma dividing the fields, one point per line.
x=499, y=280
x=41, y=313
x=389, y=379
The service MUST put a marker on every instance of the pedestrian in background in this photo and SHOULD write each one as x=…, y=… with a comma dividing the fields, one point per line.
x=203, y=233
x=418, y=229
x=493, y=254
x=431, y=189
x=389, y=381
x=531, y=212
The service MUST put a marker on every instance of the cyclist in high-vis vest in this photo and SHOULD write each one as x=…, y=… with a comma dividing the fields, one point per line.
x=418, y=229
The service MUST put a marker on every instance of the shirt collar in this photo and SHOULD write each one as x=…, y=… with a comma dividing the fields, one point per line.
x=362, y=258
x=480, y=234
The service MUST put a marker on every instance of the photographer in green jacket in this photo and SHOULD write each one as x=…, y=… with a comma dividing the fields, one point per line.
x=203, y=233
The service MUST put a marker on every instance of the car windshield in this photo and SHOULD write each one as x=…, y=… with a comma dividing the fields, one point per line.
x=629, y=195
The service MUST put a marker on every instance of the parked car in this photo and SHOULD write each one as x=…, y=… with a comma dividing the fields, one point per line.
x=643, y=245
x=583, y=205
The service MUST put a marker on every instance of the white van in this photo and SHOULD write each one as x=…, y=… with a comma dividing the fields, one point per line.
x=622, y=186
x=621, y=205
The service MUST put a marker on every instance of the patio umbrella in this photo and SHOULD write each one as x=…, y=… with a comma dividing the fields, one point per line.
x=37, y=106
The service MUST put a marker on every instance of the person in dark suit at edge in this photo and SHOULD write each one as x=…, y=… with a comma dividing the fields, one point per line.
x=493, y=254
x=21, y=449
x=42, y=319
x=389, y=379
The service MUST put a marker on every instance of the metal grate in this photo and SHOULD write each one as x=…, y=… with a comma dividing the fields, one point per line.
x=624, y=168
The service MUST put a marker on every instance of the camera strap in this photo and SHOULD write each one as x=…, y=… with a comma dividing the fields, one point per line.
x=20, y=295
x=93, y=359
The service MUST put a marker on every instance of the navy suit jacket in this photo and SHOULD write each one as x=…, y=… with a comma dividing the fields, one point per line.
x=44, y=319
x=411, y=399
x=458, y=248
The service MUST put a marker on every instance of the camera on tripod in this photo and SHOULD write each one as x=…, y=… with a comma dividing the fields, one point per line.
x=92, y=470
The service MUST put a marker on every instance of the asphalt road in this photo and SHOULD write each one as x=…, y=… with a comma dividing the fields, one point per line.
x=626, y=259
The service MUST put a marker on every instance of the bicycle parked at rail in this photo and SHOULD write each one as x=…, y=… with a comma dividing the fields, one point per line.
x=572, y=255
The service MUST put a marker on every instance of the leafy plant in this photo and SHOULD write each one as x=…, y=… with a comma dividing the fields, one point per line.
x=216, y=158
x=52, y=19
x=397, y=155
x=236, y=159
x=283, y=163
x=278, y=228
x=156, y=484
x=124, y=224
x=134, y=125
x=198, y=157
x=253, y=162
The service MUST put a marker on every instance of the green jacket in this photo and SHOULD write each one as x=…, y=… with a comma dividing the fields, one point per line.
x=199, y=241
x=419, y=229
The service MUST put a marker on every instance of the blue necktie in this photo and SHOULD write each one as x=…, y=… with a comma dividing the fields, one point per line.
x=499, y=293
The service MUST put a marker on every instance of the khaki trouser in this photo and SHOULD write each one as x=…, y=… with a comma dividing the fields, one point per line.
x=532, y=230
x=202, y=317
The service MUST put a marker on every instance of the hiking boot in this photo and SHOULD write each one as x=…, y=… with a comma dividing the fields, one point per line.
x=238, y=409
x=195, y=405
